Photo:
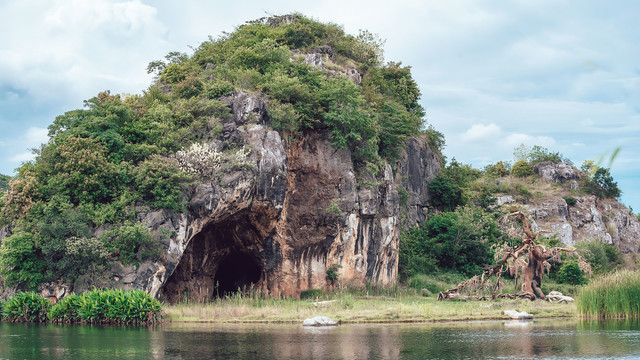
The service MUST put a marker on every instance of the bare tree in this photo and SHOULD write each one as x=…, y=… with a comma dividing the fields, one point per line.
x=528, y=258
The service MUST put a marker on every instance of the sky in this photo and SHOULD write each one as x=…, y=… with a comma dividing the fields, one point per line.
x=493, y=74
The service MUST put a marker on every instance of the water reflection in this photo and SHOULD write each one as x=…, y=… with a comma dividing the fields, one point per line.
x=470, y=340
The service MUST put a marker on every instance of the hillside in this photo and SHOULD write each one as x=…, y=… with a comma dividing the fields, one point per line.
x=571, y=207
x=284, y=156
x=281, y=147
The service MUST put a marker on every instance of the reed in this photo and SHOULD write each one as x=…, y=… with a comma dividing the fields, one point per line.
x=612, y=296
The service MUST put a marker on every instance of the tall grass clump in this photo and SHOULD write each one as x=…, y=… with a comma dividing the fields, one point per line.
x=612, y=296
x=26, y=307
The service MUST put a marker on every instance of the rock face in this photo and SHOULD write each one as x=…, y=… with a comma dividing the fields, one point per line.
x=282, y=218
x=590, y=218
x=557, y=173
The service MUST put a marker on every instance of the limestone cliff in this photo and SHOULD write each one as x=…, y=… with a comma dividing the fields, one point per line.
x=293, y=208
x=588, y=218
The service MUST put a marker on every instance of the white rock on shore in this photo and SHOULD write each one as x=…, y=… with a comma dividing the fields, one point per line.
x=515, y=314
x=319, y=321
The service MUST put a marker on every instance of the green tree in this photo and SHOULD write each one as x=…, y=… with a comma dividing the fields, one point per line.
x=459, y=241
x=497, y=170
x=570, y=273
x=521, y=169
x=21, y=261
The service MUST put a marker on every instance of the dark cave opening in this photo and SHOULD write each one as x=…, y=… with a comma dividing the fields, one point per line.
x=221, y=258
x=237, y=271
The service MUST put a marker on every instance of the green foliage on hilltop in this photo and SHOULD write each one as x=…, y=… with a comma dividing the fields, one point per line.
x=521, y=169
x=601, y=184
x=537, y=154
x=371, y=119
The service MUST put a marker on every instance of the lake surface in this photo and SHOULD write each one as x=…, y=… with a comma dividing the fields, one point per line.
x=558, y=339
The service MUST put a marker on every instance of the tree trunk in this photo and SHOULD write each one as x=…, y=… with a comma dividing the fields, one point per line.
x=532, y=275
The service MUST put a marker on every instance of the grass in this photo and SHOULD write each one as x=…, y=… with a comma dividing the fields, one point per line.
x=612, y=296
x=357, y=306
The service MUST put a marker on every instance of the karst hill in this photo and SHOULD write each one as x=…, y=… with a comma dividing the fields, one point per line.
x=279, y=157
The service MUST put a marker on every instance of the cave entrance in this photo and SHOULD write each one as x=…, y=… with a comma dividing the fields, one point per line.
x=237, y=272
x=221, y=258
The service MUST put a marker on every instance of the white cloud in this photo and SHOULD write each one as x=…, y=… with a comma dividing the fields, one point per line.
x=35, y=136
x=22, y=157
x=75, y=48
x=480, y=132
x=514, y=140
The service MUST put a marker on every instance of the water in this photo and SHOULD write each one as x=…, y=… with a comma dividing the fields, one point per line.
x=558, y=339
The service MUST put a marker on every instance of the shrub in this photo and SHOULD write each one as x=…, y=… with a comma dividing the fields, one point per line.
x=218, y=89
x=20, y=263
x=332, y=273
x=26, y=307
x=521, y=169
x=602, y=185
x=537, y=154
x=601, y=256
x=132, y=243
x=189, y=87
x=311, y=294
x=446, y=193
x=570, y=273
x=459, y=241
x=570, y=200
x=159, y=181
x=497, y=170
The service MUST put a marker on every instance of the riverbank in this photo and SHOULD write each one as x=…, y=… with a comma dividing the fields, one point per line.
x=348, y=308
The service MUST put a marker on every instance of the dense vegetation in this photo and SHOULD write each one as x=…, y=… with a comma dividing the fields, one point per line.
x=94, y=307
x=120, y=155
x=463, y=236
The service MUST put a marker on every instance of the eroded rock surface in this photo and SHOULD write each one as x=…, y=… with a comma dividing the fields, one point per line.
x=556, y=172
x=590, y=218
x=278, y=221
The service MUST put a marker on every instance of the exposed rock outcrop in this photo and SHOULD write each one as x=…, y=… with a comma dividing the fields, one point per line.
x=589, y=218
x=282, y=219
x=556, y=172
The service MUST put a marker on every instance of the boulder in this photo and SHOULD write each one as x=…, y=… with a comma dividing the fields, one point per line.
x=319, y=321
x=556, y=172
x=517, y=315
x=556, y=296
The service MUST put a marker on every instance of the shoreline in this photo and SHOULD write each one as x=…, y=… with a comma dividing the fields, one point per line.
x=381, y=322
x=355, y=310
